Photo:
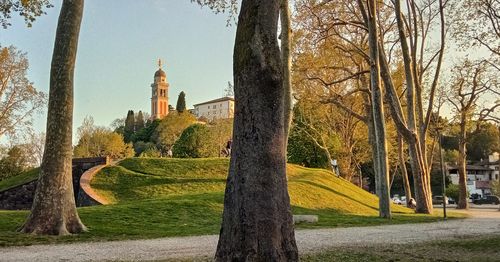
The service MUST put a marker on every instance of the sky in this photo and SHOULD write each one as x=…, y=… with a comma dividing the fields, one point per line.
x=120, y=44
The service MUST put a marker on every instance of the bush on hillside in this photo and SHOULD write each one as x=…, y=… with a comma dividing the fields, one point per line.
x=151, y=152
x=100, y=142
x=200, y=140
x=170, y=128
x=14, y=163
x=193, y=143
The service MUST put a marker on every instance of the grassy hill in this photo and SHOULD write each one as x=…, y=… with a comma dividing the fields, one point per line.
x=201, y=183
x=23, y=178
x=179, y=197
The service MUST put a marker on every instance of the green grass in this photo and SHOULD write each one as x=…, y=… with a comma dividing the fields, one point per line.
x=23, y=178
x=180, y=197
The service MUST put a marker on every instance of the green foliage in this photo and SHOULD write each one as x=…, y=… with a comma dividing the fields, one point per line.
x=141, y=146
x=192, y=143
x=450, y=156
x=129, y=128
x=146, y=134
x=30, y=10
x=200, y=140
x=453, y=191
x=15, y=162
x=99, y=141
x=181, y=102
x=483, y=142
x=139, y=122
x=151, y=152
x=170, y=129
x=303, y=151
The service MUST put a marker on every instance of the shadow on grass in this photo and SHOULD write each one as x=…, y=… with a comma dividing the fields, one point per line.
x=333, y=191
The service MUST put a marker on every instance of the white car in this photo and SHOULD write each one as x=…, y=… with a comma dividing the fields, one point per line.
x=403, y=201
x=396, y=201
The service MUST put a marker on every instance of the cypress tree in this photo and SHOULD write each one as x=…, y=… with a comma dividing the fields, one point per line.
x=139, y=121
x=129, y=126
x=181, y=102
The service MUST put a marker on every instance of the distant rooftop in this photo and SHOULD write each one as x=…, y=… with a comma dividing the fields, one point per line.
x=471, y=167
x=222, y=99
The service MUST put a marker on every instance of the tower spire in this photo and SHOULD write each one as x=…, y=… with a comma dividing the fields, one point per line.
x=159, y=63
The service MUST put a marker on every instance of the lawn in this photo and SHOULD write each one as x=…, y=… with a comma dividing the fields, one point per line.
x=180, y=197
x=477, y=248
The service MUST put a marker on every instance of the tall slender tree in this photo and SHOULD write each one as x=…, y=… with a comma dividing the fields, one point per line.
x=54, y=210
x=181, y=102
x=139, y=121
x=129, y=128
x=257, y=221
x=378, y=118
x=472, y=81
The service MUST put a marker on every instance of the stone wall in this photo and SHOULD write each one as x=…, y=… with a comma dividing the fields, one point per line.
x=21, y=197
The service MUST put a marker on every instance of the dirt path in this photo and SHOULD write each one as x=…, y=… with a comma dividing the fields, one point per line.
x=484, y=221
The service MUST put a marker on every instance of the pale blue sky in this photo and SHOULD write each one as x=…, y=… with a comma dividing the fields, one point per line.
x=120, y=43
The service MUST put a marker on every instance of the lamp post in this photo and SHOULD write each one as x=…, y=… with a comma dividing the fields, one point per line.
x=443, y=173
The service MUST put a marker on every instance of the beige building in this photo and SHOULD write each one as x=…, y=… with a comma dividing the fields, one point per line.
x=159, y=94
x=215, y=109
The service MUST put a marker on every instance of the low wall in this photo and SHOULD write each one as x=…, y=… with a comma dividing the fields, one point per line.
x=21, y=197
x=87, y=195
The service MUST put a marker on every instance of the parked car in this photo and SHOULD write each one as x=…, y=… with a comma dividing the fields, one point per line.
x=403, y=201
x=487, y=200
x=396, y=200
x=451, y=201
x=438, y=200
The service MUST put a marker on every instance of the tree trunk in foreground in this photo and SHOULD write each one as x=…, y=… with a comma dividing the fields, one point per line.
x=54, y=210
x=381, y=168
x=462, y=164
x=257, y=221
x=286, y=46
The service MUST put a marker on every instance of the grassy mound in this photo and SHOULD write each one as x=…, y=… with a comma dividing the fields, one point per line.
x=20, y=179
x=314, y=190
x=201, y=182
x=180, y=197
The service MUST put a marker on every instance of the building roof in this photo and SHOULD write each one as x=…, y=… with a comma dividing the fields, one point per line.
x=222, y=99
x=487, y=162
x=160, y=73
x=472, y=167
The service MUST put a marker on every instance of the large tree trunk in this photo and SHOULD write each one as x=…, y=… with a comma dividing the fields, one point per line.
x=381, y=170
x=462, y=163
x=286, y=46
x=257, y=220
x=54, y=210
x=415, y=147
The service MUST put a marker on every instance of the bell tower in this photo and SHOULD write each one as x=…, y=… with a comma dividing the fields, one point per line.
x=159, y=94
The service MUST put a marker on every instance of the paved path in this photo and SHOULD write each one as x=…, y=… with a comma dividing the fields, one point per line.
x=484, y=221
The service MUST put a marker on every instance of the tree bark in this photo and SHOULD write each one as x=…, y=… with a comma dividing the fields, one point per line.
x=416, y=147
x=462, y=164
x=54, y=210
x=286, y=35
x=378, y=115
x=257, y=220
